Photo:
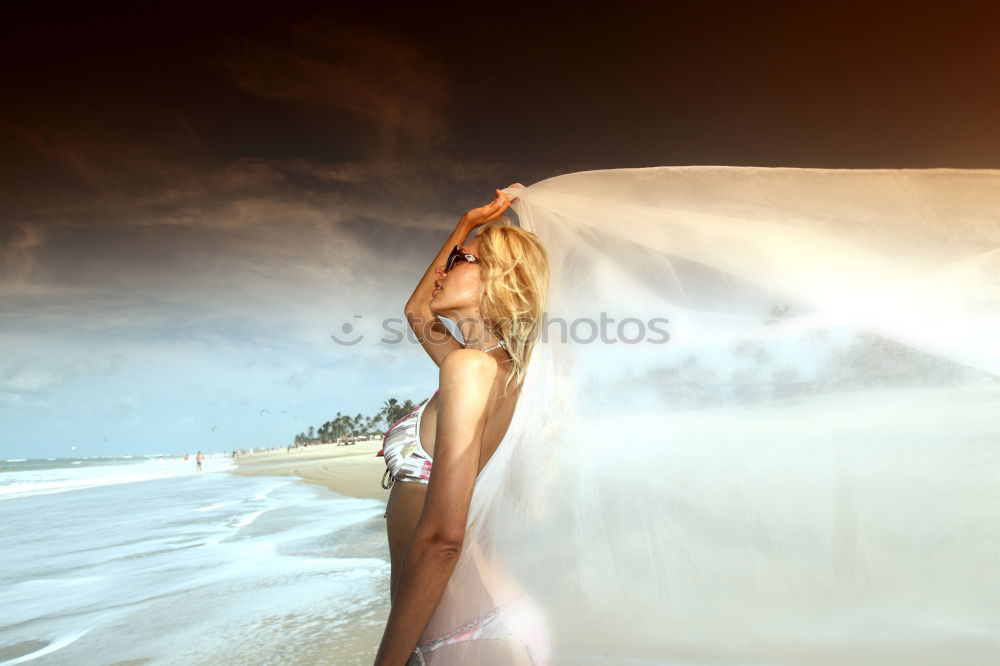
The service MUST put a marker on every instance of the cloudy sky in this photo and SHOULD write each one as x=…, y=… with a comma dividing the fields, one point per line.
x=194, y=200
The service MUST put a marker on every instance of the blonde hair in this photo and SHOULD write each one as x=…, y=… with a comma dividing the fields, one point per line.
x=515, y=275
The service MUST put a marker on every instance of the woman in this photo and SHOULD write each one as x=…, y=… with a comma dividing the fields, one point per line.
x=493, y=287
x=799, y=468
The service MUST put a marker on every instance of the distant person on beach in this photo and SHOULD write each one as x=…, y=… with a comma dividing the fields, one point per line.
x=494, y=288
x=198, y=460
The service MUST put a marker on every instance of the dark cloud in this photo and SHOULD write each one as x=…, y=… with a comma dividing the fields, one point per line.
x=383, y=81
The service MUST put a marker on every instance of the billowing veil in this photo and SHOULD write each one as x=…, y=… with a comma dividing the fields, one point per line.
x=761, y=426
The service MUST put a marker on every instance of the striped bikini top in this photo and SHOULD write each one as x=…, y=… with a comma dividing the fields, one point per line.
x=405, y=458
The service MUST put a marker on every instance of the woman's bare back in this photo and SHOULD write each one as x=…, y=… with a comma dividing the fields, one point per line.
x=499, y=412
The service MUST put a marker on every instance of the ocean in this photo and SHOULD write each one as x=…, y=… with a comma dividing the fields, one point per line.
x=147, y=561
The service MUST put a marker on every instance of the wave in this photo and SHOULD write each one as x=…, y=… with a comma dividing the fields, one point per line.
x=248, y=519
x=70, y=478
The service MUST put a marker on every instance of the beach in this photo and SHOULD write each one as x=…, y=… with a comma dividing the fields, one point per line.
x=146, y=560
x=353, y=470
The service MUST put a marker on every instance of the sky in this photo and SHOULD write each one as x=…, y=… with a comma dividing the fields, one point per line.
x=194, y=199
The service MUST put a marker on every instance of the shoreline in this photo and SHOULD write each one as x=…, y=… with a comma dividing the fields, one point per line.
x=350, y=471
x=353, y=470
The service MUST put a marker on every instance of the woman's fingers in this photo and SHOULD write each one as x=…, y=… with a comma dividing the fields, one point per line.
x=495, y=206
x=511, y=197
x=502, y=203
x=491, y=211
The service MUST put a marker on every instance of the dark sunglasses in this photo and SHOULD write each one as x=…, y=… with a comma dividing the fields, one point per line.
x=456, y=256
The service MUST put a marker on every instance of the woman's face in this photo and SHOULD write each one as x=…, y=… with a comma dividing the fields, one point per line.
x=461, y=288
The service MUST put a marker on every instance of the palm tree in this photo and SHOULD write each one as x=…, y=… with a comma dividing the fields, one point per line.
x=343, y=425
x=388, y=411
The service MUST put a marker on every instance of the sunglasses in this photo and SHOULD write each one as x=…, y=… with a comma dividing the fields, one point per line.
x=457, y=256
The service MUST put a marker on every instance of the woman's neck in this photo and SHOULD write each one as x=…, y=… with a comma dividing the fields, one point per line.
x=478, y=336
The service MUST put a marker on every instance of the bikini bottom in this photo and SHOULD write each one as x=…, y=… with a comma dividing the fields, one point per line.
x=520, y=622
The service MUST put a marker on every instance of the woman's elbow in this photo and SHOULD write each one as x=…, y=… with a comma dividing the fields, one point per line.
x=446, y=542
x=417, y=316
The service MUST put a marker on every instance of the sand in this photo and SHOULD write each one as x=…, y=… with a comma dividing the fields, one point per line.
x=354, y=470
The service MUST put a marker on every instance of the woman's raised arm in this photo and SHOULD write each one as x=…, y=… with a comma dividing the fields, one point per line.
x=435, y=338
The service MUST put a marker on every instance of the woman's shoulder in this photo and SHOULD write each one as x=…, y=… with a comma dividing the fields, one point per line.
x=472, y=363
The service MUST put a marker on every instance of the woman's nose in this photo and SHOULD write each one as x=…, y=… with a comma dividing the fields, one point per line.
x=439, y=271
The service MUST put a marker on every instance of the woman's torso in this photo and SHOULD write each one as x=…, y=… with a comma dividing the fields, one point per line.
x=406, y=499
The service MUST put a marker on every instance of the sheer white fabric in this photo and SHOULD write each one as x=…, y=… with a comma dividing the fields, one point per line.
x=783, y=448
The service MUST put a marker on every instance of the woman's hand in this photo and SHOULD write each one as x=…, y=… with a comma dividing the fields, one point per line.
x=490, y=212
